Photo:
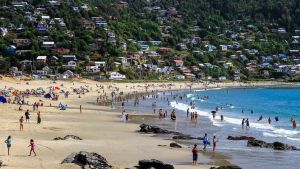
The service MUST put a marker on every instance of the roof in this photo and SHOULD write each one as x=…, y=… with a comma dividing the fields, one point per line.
x=178, y=61
x=48, y=43
x=41, y=58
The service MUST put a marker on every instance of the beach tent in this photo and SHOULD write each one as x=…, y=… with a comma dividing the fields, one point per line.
x=3, y=99
x=48, y=95
x=39, y=90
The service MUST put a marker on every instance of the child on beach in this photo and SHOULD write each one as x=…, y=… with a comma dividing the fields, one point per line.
x=32, y=147
x=195, y=151
x=21, y=123
x=8, y=143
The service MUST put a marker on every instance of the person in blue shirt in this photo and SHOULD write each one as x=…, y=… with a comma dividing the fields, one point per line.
x=205, y=141
x=8, y=143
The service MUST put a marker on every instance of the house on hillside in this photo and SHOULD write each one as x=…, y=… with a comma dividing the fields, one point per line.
x=41, y=59
x=47, y=45
x=178, y=63
x=92, y=69
x=116, y=76
x=21, y=42
x=67, y=58
x=100, y=64
x=70, y=65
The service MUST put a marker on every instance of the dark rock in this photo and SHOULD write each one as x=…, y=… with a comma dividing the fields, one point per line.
x=186, y=137
x=227, y=167
x=275, y=145
x=175, y=145
x=240, y=138
x=68, y=137
x=259, y=143
x=282, y=146
x=88, y=160
x=153, y=164
x=145, y=128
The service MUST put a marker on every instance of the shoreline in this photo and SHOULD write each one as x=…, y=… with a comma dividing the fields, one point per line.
x=120, y=144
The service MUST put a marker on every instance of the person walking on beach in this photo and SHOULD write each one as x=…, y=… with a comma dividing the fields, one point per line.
x=21, y=121
x=80, y=108
x=214, y=143
x=187, y=112
x=195, y=152
x=27, y=116
x=32, y=147
x=8, y=144
x=39, y=120
x=205, y=141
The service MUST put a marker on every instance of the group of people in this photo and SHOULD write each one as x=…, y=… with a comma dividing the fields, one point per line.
x=8, y=143
x=206, y=142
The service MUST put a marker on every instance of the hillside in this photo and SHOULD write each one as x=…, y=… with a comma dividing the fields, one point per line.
x=151, y=39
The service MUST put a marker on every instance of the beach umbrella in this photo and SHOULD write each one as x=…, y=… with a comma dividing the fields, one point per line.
x=57, y=88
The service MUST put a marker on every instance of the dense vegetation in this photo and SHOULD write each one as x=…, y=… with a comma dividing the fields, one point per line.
x=214, y=21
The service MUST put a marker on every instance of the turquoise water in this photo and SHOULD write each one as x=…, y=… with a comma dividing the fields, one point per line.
x=236, y=104
x=268, y=102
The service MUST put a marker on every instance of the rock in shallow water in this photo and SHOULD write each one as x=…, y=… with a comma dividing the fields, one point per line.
x=275, y=145
x=153, y=164
x=227, y=167
x=88, y=160
x=240, y=138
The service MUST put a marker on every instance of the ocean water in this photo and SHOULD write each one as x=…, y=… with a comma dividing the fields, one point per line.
x=283, y=103
x=236, y=104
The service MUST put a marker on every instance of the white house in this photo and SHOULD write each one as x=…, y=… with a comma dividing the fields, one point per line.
x=41, y=59
x=70, y=65
x=48, y=45
x=116, y=76
x=100, y=64
x=92, y=69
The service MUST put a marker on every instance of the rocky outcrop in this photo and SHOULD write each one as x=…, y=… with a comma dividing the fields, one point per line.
x=186, y=137
x=227, y=167
x=88, y=160
x=145, y=128
x=153, y=164
x=175, y=145
x=240, y=138
x=68, y=137
x=275, y=145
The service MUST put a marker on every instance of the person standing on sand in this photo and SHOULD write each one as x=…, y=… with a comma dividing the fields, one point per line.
x=80, y=107
x=39, y=120
x=32, y=147
x=195, y=152
x=187, y=112
x=27, y=115
x=8, y=143
x=214, y=143
x=21, y=123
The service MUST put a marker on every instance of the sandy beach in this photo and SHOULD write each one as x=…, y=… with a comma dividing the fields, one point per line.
x=100, y=128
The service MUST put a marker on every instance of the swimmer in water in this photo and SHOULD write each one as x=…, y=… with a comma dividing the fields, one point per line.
x=270, y=121
x=260, y=118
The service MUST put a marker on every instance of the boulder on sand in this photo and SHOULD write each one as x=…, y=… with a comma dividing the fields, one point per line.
x=153, y=164
x=68, y=137
x=175, y=145
x=88, y=160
